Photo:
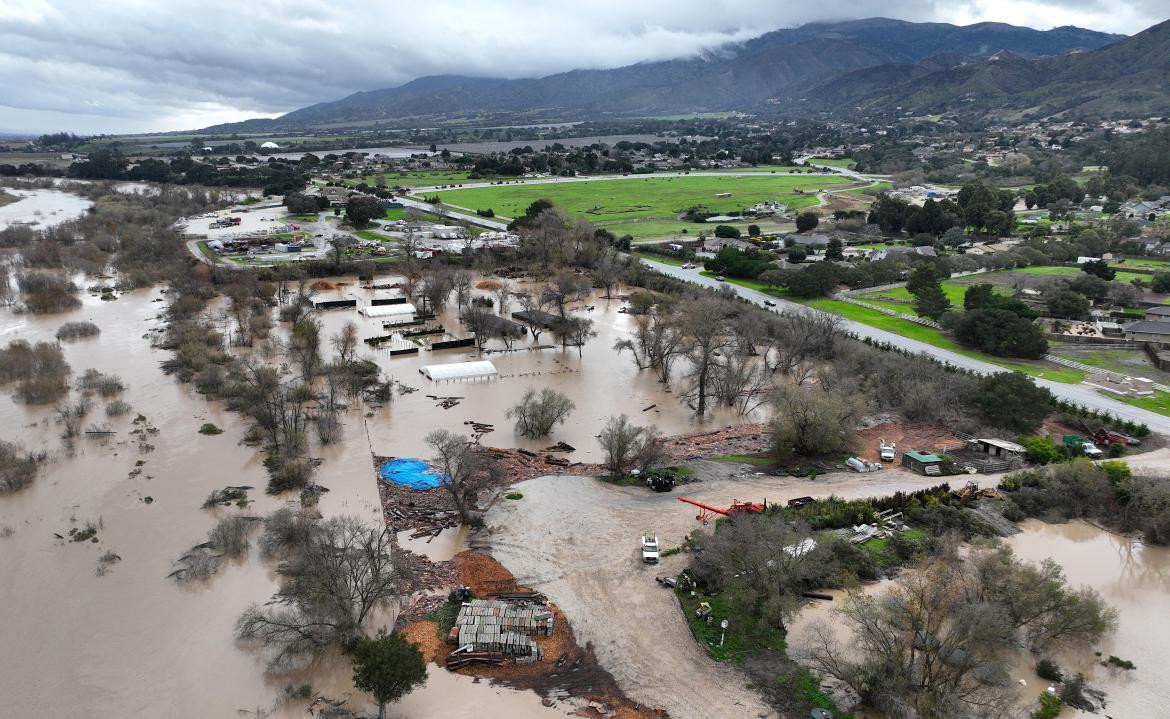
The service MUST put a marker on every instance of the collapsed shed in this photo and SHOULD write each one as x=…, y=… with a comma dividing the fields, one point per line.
x=491, y=625
x=459, y=370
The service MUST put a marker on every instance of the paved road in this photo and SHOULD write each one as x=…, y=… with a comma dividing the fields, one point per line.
x=1071, y=392
x=453, y=214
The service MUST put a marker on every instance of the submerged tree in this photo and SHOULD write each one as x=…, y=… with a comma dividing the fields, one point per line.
x=536, y=415
x=334, y=574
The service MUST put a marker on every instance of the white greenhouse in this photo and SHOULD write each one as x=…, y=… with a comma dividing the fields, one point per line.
x=391, y=312
x=459, y=370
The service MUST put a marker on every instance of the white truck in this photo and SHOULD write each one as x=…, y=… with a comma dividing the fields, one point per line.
x=886, y=450
x=649, y=549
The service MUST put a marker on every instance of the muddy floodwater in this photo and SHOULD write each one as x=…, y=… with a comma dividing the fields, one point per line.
x=600, y=381
x=132, y=642
x=1132, y=576
x=41, y=208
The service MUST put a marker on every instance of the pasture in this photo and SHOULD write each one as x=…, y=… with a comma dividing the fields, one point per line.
x=654, y=200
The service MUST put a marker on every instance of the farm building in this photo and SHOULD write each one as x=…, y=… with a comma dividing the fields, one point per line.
x=997, y=448
x=539, y=318
x=459, y=370
x=1155, y=331
x=403, y=312
x=922, y=462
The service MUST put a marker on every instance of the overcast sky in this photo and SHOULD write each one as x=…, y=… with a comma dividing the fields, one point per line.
x=151, y=65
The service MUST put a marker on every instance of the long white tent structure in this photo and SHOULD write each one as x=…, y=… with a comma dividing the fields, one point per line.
x=391, y=311
x=459, y=370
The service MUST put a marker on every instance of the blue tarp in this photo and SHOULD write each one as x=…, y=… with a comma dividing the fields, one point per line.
x=409, y=472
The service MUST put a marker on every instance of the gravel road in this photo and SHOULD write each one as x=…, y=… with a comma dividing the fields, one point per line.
x=576, y=539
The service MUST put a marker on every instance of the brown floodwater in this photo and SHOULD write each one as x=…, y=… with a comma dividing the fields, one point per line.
x=41, y=208
x=600, y=382
x=1132, y=576
x=132, y=642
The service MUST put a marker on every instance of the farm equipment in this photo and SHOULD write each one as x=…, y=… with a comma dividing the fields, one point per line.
x=857, y=464
x=707, y=512
x=1109, y=436
x=886, y=450
x=972, y=491
x=659, y=482
x=800, y=502
x=668, y=582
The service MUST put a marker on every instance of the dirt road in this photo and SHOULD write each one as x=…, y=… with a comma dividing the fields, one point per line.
x=576, y=539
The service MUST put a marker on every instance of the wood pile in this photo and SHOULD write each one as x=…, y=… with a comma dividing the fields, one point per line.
x=740, y=439
x=458, y=660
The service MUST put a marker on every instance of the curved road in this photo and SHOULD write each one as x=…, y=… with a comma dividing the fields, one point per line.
x=1071, y=392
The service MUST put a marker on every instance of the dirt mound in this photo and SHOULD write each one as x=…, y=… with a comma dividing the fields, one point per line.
x=322, y=286
x=927, y=437
x=489, y=285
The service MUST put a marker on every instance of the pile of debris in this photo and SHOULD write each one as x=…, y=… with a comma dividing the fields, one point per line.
x=740, y=439
x=522, y=464
x=485, y=628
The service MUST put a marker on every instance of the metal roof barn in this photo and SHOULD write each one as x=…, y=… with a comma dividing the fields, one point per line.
x=401, y=310
x=459, y=370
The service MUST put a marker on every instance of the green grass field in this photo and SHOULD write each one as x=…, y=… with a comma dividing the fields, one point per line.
x=1144, y=264
x=1062, y=271
x=1159, y=403
x=644, y=198
x=373, y=236
x=756, y=168
x=937, y=338
x=419, y=178
x=845, y=162
x=750, y=284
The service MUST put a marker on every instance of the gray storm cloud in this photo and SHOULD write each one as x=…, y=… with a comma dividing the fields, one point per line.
x=133, y=66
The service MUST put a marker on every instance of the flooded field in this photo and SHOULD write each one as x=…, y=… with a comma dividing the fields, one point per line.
x=132, y=642
x=41, y=208
x=600, y=382
x=1134, y=578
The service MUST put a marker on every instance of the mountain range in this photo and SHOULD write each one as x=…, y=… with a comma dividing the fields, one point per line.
x=854, y=67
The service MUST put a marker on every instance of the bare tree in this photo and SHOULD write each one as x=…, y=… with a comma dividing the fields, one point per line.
x=345, y=343
x=576, y=331
x=651, y=449
x=465, y=471
x=461, y=282
x=619, y=440
x=305, y=345
x=536, y=415
x=503, y=297
x=436, y=287
x=702, y=322
x=535, y=304
x=330, y=584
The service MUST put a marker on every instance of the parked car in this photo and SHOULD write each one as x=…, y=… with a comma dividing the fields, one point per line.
x=688, y=266
x=719, y=278
x=769, y=303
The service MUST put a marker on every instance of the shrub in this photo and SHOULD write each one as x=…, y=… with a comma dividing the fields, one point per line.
x=1042, y=450
x=106, y=385
x=1047, y=669
x=44, y=293
x=17, y=469
x=209, y=428
x=77, y=330
x=40, y=371
x=1050, y=706
x=117, y=408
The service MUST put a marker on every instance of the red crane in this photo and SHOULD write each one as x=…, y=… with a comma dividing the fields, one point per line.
x=706, y=511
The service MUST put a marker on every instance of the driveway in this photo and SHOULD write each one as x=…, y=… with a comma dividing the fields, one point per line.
x=576, y=539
